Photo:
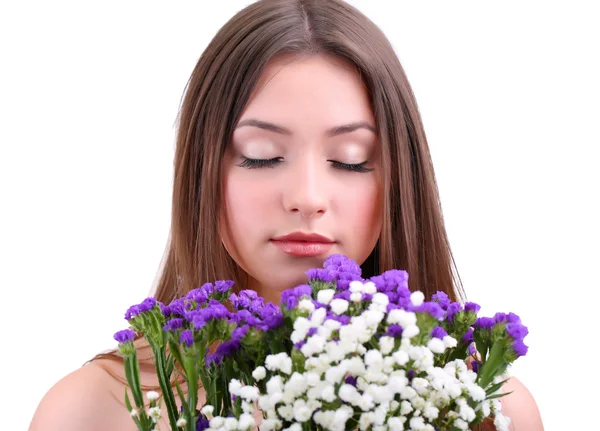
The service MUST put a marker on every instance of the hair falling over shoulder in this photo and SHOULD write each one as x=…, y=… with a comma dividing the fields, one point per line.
x=413, y=236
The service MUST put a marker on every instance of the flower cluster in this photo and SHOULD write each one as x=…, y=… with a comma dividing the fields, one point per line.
x=340, y=353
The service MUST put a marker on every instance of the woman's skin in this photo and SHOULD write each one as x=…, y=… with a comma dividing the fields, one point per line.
x=318, y=184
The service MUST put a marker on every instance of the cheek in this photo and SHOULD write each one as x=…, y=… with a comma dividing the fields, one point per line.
x=247, y=203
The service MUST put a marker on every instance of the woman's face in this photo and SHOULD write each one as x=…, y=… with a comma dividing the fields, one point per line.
x=302, y=174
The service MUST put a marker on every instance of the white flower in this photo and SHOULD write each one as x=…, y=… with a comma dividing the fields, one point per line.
x=339, y=306
x=449, y=341
x=246, y=421
x=297, y=384
x=386, y=344
x=431, y=412
x=152, y=395
x=314, y=344
x=274, y=385
x=280, y=361
x=366, y=419
x=217, y=422
x=366, y=402
x=356, y=297
x=420, y=385
x=407, y=393
x=410, y=331
x=476, y=392
x=405, y=408
x=341, y=416
x=133, y=412
x=324, y=417
x=306, y=305
x=335, y=374
x=436, y=345
x=401, y=357
x=369, y=287
x=328, y=393
x=373, y=317
x=356, y=286
x=501, y=422
x=380, y=299
x=318, y=317
x=231, y=424
x=302, y=412
x=417, y=423
x=271, y=424
x=249, y=393
x=259, y=373
x=294, y=427
x=402, y=317
x=417, y=298
x=397, y=383
x=461, y=424
x=373, y=358
x=154, y=413
x=396, y=423
x=286, y=412
x=234, y=387
x=332, y=325
x=312, y=378
x=247, y=407
x=349, y=394
x=181, y=422
x=325, y=296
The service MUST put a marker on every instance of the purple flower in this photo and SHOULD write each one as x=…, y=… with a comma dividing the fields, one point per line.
x=453, y=308
x=223, y=286
x=503, y=317
x=124, y=336
x=173, y=324
x=471, y=306
x=146, y=305
x=393, y=280
x=351, y=380
x=468, y=337
x=186, y=337
x=303, y=290
x=240, y=332
x=200, y=295
x=343, y=295
x=484, y=322
x=164, y=309
x=288, y=299
x=475, y=366
x=442, y=298
x=320, y=274
x=299, y=344
x=341, y=263
x=177, y=306
x=343, y=318
x=394, y=331
x=213, y=358
x=517, y=330
x=471, y=349
x=202, y=424
x=438, y=332
x=433, y=308
x=311, y=332
x=520, y=348
x=226, y=349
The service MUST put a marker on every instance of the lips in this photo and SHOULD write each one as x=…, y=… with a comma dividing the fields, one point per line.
x=303, y=244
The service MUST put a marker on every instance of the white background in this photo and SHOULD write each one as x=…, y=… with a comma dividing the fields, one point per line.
x=88, y=98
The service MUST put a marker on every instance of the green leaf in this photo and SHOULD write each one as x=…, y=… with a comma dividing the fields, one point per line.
x=498, y=395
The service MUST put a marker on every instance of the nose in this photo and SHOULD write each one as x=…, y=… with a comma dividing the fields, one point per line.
x=306, y=192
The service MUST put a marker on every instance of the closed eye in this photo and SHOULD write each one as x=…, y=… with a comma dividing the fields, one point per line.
x=358, y=167
x=260, y=163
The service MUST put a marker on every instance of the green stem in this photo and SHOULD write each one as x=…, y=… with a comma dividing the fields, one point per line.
x=192, y=382
x=165, y=387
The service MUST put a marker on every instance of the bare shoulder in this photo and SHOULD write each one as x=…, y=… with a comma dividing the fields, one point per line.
x=520, y=407
x=81, y=400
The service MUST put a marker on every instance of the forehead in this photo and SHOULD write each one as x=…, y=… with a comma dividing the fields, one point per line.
x=316, y=91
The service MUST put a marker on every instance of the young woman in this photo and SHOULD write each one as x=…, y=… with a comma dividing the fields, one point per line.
x=298, y=137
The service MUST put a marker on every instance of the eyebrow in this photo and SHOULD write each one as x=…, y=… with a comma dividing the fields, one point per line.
x=334, y=131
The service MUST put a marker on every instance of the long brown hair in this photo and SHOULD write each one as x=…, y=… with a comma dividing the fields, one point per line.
x=413, y=236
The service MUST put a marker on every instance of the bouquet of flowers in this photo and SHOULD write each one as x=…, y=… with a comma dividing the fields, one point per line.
x=340, y=353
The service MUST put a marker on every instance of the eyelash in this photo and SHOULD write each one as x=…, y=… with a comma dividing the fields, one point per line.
x=271, y=163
